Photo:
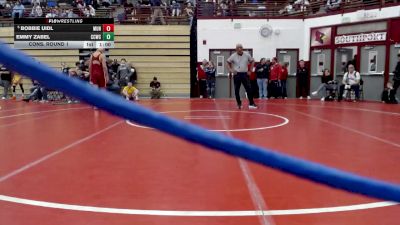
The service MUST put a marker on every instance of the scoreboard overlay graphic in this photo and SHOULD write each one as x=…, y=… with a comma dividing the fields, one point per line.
x=63, y=33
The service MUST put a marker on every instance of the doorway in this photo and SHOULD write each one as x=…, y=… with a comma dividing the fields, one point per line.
x=291, y=57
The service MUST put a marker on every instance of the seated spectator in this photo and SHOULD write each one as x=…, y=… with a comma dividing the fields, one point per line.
x=38, y=92
x=127, y=4
x=36, y=11
x=115, y=66
x=64, y=68
x=5, y=81
x=56, y=10
x=189, y=12
x=26, y=2
x=287, y=10
x=112, y=84
x=82, y=65
x=3, y=4
x=85, y=76
x=80, y=7
x=62, y=13
x=191, y=2
x=327, y=84
x=71, y=14
x=106, y=3
x=51, y=14
x=130, y=92
x=86, y=12
x=124, y=73
x=388, y=94
x=77, y=2
x=223, y=8
x=133, y=13
x=176, y=8
x=17, y=80
x=157, y=12
x=333, y=4
x=155, y=89
x=96, y=4
x=351, y=81
x=18, y=10
x=82, y=71
x=135, y=3
x=9, y=5
x=88, y=2
x=301, y=5
x=92, y=11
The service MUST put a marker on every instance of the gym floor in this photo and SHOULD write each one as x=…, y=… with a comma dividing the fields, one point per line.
x=70, y=164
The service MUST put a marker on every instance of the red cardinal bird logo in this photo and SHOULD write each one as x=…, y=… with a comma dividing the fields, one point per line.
x=320, y=37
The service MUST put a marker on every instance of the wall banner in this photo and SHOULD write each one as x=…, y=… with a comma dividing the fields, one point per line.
x=359, y=38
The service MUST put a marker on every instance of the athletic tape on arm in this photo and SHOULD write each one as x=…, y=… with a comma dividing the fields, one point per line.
x=18, y=61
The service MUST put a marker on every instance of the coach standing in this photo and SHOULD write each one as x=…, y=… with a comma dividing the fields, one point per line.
x=238, y=66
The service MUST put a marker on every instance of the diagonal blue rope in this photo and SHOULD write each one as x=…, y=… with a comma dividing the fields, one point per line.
x=18, y=61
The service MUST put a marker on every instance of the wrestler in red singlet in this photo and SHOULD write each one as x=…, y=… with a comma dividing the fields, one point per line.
x=98, y=69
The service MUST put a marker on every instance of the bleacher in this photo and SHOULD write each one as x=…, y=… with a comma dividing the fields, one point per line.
x=162, y=51
x=271, y=9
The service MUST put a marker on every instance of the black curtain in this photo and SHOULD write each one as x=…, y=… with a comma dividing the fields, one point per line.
x=193, y=59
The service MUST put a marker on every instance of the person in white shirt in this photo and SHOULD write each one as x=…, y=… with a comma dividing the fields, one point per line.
x=301, y=5
x=92, y=11
x=36, y=11
x=86, y=12
x=238, y=65
x=333, y=4
x=35, y=2
x=3, y=3
x=351, y=81
x=287, y=10
x=51, y=14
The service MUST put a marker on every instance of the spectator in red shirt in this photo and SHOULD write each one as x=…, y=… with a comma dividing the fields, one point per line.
x=284, y=76
x=202, y=78
x=274, y=88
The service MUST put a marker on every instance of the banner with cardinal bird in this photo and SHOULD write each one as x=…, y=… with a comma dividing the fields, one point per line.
x=321, y=36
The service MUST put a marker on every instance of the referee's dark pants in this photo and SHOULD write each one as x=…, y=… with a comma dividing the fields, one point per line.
x=242, y=78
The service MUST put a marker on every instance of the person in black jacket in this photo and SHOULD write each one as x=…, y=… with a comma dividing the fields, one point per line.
x=396, y=77
x=262, y=73
x=5, y=81
x=302, y=80
x=326, y=83
x=387, y=94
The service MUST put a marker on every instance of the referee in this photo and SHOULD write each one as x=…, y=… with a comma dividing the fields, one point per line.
x=238, y=66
